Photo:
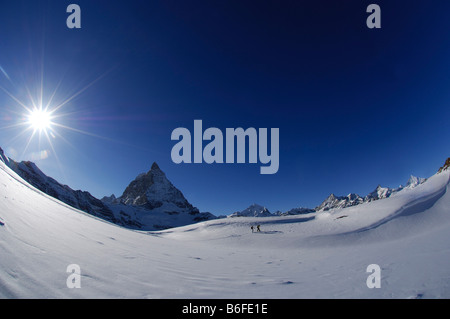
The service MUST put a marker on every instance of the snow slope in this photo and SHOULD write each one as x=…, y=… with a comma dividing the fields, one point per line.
x=318, y=255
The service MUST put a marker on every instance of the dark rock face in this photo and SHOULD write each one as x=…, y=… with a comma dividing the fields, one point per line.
x=152, y=190
x=445, y=167
x=76, y=198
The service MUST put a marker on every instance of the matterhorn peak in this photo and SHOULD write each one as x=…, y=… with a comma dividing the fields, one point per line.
x=155, y=167
x=153, y=190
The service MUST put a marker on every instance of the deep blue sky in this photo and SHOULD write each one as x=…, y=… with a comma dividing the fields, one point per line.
x=356, y=107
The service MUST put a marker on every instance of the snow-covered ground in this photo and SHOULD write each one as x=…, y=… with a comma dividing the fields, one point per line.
x=317, y=255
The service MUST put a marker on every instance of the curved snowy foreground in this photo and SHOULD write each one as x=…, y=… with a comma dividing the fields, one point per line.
x=323, y=255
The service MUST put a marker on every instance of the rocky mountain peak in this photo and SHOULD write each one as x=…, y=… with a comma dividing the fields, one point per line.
x=446, y=166
x=155, y=167
x=253, y=210
x=413, y=181
x=152, y=190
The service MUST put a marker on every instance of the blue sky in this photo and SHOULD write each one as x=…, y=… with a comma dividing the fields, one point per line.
x=356, y=107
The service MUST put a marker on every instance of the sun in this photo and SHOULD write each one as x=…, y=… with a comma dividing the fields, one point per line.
x=43, y=113
x=39, y=119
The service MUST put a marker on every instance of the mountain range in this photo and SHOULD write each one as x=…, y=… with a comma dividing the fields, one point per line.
x=332, y=201
x=152, y=202
x=76, y=198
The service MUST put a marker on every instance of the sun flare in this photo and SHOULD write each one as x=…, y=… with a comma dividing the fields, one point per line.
x=40, y=119
x=42, y=116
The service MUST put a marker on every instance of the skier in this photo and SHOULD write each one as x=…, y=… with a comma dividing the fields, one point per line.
x=252, y=228
x=257, y=228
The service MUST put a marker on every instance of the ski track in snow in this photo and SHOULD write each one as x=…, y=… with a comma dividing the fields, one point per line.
x=320, y=255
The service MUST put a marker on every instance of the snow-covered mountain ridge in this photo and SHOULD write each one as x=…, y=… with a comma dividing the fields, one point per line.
x=76, y=198
x=352, y=199
x=332, y=201
x=150, y=202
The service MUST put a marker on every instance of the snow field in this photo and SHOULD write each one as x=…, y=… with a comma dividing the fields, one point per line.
x=322, y=255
